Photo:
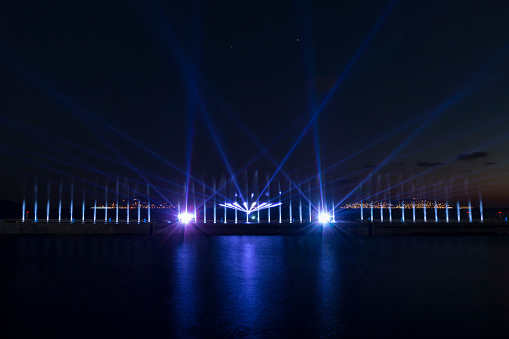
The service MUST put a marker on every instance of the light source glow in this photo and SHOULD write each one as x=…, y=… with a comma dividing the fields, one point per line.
x=185, y=217
x=324, y=218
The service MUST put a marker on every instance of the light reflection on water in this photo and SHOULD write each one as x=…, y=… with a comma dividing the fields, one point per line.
x=256, y=286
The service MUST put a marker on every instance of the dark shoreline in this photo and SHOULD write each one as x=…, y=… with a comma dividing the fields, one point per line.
x=489, y=227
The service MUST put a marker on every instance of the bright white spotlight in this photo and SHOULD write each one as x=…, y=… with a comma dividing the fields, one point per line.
x=324, y=218
x=185, y=217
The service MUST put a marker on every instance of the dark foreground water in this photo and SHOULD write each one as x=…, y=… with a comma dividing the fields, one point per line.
x=254, y=286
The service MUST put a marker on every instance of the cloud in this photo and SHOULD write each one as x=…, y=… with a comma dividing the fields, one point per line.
x=345, y=181
x=429, y=164
x=472, y=156
x=325, y=83
x=34, y=120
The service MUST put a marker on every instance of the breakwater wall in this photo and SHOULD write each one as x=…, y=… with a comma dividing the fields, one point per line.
x=20, y=228
x=362, y=229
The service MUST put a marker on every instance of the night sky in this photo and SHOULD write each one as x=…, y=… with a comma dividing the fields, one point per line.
x=372, y=92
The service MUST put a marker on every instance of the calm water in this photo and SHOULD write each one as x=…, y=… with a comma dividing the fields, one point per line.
x=255, y=286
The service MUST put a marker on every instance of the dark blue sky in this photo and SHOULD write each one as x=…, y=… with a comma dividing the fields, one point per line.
x=407, y=91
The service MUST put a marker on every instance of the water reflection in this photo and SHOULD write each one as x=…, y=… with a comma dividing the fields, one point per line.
x=252, y=276
x=186, y=295
x=329, y=298
x=256, y=286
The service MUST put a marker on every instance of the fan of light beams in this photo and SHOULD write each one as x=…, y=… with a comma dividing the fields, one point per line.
x=253, y=208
